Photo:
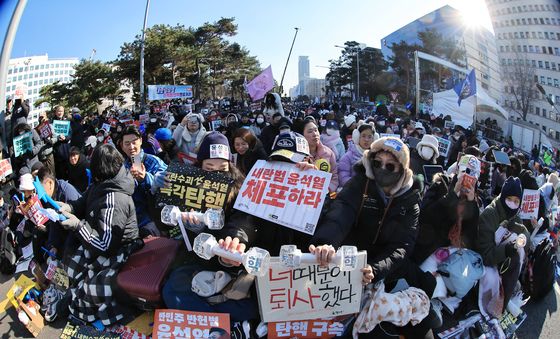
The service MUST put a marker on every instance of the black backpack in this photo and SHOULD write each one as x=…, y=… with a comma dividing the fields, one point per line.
x=540, y=273
x=7, y=251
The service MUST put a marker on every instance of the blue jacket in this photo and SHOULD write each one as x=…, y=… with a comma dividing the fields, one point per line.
x=153, y=165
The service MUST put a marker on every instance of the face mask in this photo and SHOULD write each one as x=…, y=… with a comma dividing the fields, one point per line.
x=385, y=178
x=260, y=120
x=100, y=139
x=512, y=205
x=427, y=153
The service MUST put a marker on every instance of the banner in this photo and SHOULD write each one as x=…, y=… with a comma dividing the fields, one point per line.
x=261, y=84
x=5, y=168
x=192, y=188
x=22, y=144
x=281, y=193
x=61, y=127
x=44, y=130
x=389, y=135
x=309, y=292
x=530, y=204
x=31, y=209
x=305, y=329
x=186, y=324
x=167, y=92
x=443, y=147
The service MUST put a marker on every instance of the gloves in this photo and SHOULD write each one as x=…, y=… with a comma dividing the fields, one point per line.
x=64, y=207
x=510, y=250
x=159, y=181
x=71, y=223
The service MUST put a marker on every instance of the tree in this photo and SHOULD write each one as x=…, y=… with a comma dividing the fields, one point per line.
x=519, y=77
x=402, y=62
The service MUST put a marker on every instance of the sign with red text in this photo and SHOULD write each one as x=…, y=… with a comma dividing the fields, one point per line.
x=309, y=292
x=5, y=168
x=529, y=204
x=185, y=324
x=281, y=193
x=305, y=329
x=44, y=130
x=31, y=209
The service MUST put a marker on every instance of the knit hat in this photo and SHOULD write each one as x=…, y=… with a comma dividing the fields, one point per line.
x=91, y=141
x=553, y=179
x=511, y=187
x=399, y=150
x=290, y=147
x=528, y=180
x=215, y=145
x=428, y=140
x=470, y=165
x=26, y=182
x=349, y=120
x=163, y=134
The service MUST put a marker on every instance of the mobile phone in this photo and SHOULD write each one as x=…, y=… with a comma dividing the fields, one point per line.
x=17, y=199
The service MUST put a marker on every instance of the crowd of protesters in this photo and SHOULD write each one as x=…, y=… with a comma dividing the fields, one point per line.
x=380, y=198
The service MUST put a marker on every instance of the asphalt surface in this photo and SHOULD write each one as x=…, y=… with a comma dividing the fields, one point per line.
x=543, y=318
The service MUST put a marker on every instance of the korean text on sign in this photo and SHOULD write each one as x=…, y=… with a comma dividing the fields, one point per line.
x=303, y=329
x=529, y=204
x=192, y=188
x=61, y=127
x=22, y=144
x=279, y=192
x=443, y=146
x=309, y=292
x=5, y=168
x=185, y=324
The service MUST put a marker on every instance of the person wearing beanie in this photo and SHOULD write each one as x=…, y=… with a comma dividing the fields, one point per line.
x=426, y=153
x=189, y=134
x=362, y=138
x=502, y=213
x=384, y=207
x=331, y=138
x=214, y=156
x=169, y=149
x=347, y=129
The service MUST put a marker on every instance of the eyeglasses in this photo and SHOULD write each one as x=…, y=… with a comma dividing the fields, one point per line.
x=388, y=166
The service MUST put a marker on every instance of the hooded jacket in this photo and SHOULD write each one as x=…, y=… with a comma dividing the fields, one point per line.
x=334, y=143
x=188, y=142
x=388, y=240
x=489, y=221
x=347, y=162
x=108, y=217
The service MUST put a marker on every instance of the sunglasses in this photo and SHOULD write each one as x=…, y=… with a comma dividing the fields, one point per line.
x=388, y=166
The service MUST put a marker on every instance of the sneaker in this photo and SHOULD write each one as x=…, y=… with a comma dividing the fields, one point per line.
x=435, y=318
x=51, y=298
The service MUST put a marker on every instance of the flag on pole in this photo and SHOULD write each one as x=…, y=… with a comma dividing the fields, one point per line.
x=261, y=84
x=466, y=88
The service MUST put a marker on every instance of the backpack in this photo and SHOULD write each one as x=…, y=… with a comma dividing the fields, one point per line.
x=460, y=271
x=539, y=276
x=7, y=251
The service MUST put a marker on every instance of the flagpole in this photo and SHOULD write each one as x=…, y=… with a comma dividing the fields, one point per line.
x=288, y=60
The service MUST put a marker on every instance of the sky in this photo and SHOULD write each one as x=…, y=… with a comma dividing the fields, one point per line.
x=69, y=28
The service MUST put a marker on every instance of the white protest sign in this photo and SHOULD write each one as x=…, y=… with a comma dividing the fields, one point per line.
x=281, y=193
x=448, y=124
x=443, y=147
x=529, y=204
x=309, y=292
x=391, y=135
x=165, y=92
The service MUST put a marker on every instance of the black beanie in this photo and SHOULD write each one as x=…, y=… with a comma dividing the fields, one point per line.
x=215, y=145
x=511, y=187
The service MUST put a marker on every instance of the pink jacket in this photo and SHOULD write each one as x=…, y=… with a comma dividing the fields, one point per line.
x=323, y=152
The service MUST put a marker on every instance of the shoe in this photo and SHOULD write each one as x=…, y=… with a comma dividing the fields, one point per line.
x=435, y=318
x=51, y=298
x=241, y=330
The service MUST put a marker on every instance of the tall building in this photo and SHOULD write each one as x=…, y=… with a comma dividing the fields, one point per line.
x=30, y=74
x=303, y=73
x=528, y=40
x=477, y=42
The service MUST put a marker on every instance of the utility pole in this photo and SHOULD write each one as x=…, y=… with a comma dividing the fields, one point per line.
x=142, y=44
x=288, y=60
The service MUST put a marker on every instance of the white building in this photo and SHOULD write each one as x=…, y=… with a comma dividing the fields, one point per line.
x=528, y=38
x=30, y=74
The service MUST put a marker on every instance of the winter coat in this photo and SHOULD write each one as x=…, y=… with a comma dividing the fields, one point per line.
x=188, y=143
x=489, y=221
x=346, y=164
x=108, y=218
x=246, y=161
x=335, y=144
x=77, y=138
x=323, y=152
x=417, y=163
x=388, y=240
x=439, y=215
x=66, y=192
x=77, y=174
x=267, y=137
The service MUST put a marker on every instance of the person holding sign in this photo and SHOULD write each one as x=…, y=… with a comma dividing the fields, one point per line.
x=26, y=148
x=214, y=156
x=189, y=134
x=320, y=155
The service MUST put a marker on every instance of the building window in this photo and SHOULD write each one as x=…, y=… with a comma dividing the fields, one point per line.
x=544, y=128
x=546, y=65
x=537, y=111
x=542, y=80
x=556, y=83
x=547, y=20
x=35, y=83
x=553, y=66
x=546, y=35
x=549, y=81
x=540, y=64
x=544, y=49
x=541, y=21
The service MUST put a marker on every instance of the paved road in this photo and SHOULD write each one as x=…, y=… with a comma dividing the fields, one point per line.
x=543, y=320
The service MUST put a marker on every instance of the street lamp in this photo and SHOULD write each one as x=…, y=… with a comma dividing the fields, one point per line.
x=142, y=44
x=357, y=49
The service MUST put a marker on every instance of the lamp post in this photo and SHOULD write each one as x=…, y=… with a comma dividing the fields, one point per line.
x=288, y=60
x=142, y=44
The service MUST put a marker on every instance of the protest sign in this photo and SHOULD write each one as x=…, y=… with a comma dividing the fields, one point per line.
x=309, y=292
x=5, y=168
x=61, y=127
x=186, y=324
x=106, y=127
x=31, y=209
x=144, y=118
x=529, y=204
x=392, y=135
x=305, y=329
x=44, y=130
x=22, y=144
x=166, y=92
x=215, y=124
x=281, y=193
x=255, y=106
x=192, y=188
x=449, y=124
x=443, y=147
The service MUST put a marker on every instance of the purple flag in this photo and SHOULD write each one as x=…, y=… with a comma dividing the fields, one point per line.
x=261, y=84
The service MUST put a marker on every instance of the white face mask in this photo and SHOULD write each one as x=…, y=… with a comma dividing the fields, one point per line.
x=100, y=138
x=260, y=120
x=426, y=153
x=512, y=205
